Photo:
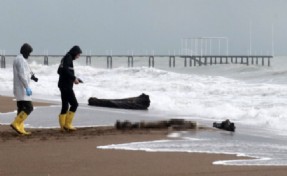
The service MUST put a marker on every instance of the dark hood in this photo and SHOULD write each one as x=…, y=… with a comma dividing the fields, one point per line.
x=75, y=51
x=26, y=50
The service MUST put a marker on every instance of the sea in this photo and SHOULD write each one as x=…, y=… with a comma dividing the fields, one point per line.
x=254, y=97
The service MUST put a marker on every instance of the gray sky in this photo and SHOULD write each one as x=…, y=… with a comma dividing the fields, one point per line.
x=141, y=25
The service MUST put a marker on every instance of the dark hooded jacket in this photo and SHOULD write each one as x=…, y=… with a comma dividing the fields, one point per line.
x=66, y=69
x=26, y=50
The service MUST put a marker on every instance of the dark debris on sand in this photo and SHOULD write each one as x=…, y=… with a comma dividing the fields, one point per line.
x=85, y=133
x=125, y=127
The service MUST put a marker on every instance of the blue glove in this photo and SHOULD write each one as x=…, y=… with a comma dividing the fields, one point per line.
x=28, y=92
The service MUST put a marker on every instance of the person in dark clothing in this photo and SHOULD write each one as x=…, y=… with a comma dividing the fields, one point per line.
x=67, y=79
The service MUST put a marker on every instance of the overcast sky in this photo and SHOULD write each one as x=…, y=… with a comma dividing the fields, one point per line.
x=141, y=25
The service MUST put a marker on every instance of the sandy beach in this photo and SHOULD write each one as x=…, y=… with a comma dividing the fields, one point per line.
x=49, y=152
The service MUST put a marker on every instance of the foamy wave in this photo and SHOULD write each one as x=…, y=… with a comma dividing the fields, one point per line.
x=207, y=96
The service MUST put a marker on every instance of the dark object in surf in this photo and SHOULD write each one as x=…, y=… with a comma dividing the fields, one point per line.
x=141, y=102
x=175, y=124
x=225, y=125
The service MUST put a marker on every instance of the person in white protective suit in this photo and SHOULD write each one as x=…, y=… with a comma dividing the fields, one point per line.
x=21, y=88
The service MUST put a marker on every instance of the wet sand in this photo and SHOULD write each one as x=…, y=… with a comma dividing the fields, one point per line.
x=8, y=104
x=51, y=152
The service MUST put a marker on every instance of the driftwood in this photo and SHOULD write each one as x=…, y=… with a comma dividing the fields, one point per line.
x=225, y=125
x=178, y=124
x=141, y=102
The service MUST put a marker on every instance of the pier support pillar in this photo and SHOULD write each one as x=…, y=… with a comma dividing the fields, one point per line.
x=88, y=60
x=190, y=60
x=185, y=61
x=268, y=61
x=109, y=62
x=46, y=60
x=199, y=61
x=151, y=61
x=172, y=61
x=130, y=61
x=3, y=62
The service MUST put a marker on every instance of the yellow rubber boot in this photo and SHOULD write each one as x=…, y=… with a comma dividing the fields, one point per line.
x=69, y=119
x=18, y=123
x=22, y=129
x=62, y=121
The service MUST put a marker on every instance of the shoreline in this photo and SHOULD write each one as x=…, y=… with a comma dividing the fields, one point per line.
x=50, y=152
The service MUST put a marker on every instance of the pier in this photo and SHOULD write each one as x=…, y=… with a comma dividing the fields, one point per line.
x=3, y=61
x=189, y=60
x=233, y=59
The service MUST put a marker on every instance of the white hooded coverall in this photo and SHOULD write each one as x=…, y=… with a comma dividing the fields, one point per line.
x=21, y=79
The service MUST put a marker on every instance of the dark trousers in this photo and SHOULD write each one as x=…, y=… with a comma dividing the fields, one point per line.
x=68, y=98
x=25, y=106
